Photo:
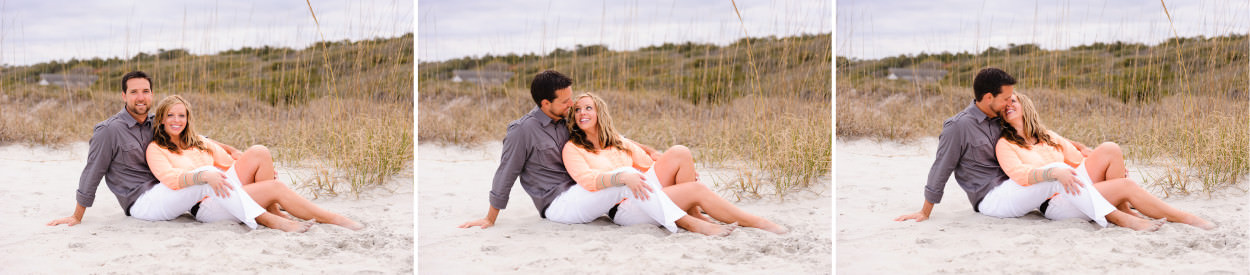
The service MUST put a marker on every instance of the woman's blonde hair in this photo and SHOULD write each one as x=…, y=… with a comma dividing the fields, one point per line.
x=188, y=136
x=1032, y=125
x=608, y=136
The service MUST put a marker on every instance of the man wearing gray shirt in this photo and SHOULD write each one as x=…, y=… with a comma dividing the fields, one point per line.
x=117, y=151
x=966, y=145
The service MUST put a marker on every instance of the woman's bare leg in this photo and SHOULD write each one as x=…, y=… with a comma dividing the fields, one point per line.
x=274, y=221
x=1106, y=163
x=256, y=164
x=271, y=191
x=1129, y=220
x=676, y=166
x=687, y=196
x=1120, y=190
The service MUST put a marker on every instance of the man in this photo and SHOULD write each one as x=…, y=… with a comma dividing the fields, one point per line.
x=966, y=145
x=532, y=150
x=117, y=152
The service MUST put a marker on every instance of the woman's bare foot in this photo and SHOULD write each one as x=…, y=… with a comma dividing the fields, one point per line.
x=769, y=226
x=347, y=223
x=712, y=229
x=1195, y=221
x=706, y=228
x=294, y=226
x=1140, y=224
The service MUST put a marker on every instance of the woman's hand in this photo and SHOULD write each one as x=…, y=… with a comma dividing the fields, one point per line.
x=636, y=183
x=217, y=181
x=1067, y=177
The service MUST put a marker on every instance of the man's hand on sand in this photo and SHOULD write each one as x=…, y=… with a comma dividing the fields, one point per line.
x=484, y=223
x=918, y=216
x=71, y=221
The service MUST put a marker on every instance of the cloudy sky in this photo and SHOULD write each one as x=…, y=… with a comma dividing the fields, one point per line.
x=458, y=28
x=868, y=29
x=34, y=31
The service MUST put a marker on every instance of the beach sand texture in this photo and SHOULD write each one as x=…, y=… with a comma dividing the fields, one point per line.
x=878, y=181
x=39, y=186
x=453, y=189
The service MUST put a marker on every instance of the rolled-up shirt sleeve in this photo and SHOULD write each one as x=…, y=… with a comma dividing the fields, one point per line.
x=950, y=150
x=516, y=151
x=101, y=149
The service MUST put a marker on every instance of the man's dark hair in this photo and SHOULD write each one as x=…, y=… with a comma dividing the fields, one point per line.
x=134, y=74
x=545, y=85
x=991, y=80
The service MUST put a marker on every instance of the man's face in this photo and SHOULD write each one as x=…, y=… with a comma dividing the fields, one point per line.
x=138, y=97
x=999, y=103
x=560, y=107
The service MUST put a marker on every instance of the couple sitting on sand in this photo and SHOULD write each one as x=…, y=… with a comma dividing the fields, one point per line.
x=159, y=168
x=577, y=167
x=1009, y=164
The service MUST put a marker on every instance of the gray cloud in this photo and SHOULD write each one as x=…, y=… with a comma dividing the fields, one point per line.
x=875, y=29
x=33, y=31
x=452, y=29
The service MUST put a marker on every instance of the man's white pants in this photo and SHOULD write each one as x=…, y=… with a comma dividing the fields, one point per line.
x=1010, y=200
x=580, y=206
x=161, y=203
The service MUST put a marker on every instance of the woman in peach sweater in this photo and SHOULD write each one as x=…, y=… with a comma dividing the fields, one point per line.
x=226, y=189
x=599, y=159
x=1032, y=155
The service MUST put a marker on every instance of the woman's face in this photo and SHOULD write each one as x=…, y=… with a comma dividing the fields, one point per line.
x=585, y=115
x=175, y=120
x=1013, y=113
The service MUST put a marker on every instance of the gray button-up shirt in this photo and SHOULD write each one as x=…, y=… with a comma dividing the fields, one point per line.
x=117, y=154
x=533, y=150
x=966, y=147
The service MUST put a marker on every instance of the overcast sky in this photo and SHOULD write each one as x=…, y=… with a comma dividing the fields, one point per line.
x=458, y=28
x=868, y=29
x=34, y=31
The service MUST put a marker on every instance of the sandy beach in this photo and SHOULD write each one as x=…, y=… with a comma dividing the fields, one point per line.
x=878, y=181
x=453, y=187
x=40, y=183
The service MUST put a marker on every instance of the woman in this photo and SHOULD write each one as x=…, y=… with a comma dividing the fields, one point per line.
x=597, y=157
x=185, y=162
x=1030, y=154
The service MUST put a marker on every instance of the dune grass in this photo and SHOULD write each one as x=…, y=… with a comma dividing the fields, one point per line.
x=352, y=139
x=1200, y=140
